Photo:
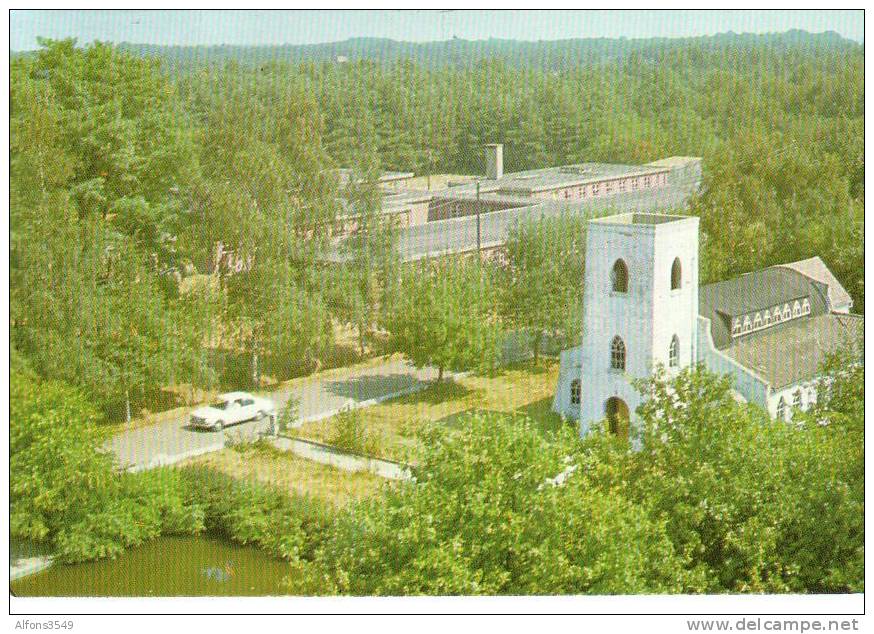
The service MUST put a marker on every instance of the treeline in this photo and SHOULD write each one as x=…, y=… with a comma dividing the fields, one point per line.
x=170, y=230
x=460, y=53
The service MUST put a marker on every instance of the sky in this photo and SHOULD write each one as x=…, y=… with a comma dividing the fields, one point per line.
x=211, y=27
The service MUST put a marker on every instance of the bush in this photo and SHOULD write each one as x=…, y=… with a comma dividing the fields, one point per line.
x=760, y=506
x=252, y=513
x=289, y=415
x=350, y=432
x=482, y=518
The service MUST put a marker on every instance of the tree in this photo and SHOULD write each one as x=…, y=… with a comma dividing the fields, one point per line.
x=443, y=316
x=758, y=506
x=67, y=492
x=367, y=277
x=542, y=282
x=84, y=307
x=482, y=517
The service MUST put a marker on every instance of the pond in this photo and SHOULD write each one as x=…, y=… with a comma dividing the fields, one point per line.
x=165, y=567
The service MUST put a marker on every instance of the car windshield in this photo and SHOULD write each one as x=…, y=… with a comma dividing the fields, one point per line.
x=219, y=405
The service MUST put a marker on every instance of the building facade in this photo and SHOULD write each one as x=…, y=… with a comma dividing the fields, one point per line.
x=769, y=330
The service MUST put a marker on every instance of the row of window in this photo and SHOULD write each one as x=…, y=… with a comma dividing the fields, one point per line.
x=628, y=184
x=618, y=358
x=798, y=403
x=617, y=353
x=770, y=317
x=619, y=276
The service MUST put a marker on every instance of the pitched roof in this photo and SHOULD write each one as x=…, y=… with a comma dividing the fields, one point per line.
x=794, y=352
x=815, y=269
x=752, y=292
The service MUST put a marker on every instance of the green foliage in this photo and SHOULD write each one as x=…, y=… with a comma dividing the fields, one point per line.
x=349, y=431
x=66, y=491
x=543, y=277
x=252, y=513
x=443, y=316
x=54, y=453
x=289, y=415
x=482, y=518
x=757, y=506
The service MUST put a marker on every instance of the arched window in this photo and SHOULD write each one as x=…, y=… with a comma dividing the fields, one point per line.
x=796, y=309
x=735, y=330
x=757, y=320
x=674, y=352
x=748, y=325
x=797, y=402
x=805, y=307
x=575, y=392
x=676, y=274
x=787, y=312
x=617, y=354
x=775, y=316
x=781, y=409
x=619, y=277
x=766, y=317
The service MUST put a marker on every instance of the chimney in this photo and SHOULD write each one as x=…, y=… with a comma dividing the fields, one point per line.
x=494, y=161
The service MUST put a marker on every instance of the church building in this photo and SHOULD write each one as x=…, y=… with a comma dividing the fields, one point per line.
x=769, y=330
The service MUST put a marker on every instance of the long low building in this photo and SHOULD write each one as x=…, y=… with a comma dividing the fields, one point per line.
x=458, y=233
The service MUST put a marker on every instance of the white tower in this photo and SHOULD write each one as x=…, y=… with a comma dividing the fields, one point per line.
x=640, y=308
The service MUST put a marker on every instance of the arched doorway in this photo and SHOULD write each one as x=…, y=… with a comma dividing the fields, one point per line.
x=616, y=412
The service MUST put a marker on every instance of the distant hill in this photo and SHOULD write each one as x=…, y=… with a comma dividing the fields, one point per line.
x=553, y=55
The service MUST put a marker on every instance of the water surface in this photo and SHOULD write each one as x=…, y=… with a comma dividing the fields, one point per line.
x=167, y=566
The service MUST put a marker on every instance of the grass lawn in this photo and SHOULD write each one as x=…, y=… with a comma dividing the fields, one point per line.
x=520, y=388
x=291, y=473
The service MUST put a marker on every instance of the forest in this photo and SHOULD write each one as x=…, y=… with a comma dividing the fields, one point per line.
x=126, y=173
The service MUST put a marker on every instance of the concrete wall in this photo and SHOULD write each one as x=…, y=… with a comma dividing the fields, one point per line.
x=418, y=213
x=570, y=368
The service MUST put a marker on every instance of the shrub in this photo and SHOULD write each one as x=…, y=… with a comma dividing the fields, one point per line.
x=350, y=432
x=482, y=518
x=252, y=513
x=289, y=415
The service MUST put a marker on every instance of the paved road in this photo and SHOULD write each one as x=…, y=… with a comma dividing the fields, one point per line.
x=172, y=441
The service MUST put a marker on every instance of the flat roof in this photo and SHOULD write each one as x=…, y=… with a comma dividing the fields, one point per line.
x=456, y=235
x=570, y=175
x=675, y=161
x=636, y=218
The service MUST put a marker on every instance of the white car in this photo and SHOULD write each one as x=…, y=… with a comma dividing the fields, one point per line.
x=230, y=409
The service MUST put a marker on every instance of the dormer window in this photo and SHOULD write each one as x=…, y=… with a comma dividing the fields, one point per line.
x=748, y=325
x=796, y=309
x=619, y=277
x=805, y=307
x=787, y=312
x=757, y=321
x=766, y=317
x=735, y=329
